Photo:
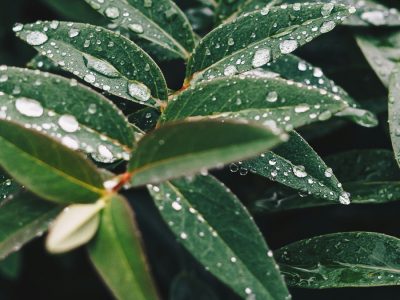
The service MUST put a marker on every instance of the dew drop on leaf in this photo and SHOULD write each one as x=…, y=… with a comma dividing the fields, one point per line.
x=288, y=46
x=112, y=12
x=29, y=107
x=139, y=91
x=299, y=171
x=36, y=38
x=68, y=123
x=136, y=28
x=100, y=66
x=272, y=97
x=261, y=57
x=230, y=70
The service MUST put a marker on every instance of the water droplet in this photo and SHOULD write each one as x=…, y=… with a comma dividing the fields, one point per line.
x=231, y=42
x=105, y=154
x=70, y=142
x=269, y=253
x=100, y=66
x=261, y=57
x=328, y=173
x=183, y=236
x=344, y=198
x=272, y=97
x=327, y=26
x=18, y=27
x=288, y=46
x=68, y=123
x=299, y=171
x=176, y=205
x=29, y=107
x=36, y=38
x=139, y=91
x=302, y=108
x=376, y=18
x=112, y=12
x=73, y=32
x=327, y=9
x=136, y=28
x=89, y=78
x=92, y=108
x=302, y=66
x=230, y=70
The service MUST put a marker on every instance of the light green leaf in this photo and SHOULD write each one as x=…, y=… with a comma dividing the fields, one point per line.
x=160, y=22
x=370, y=176
x=381, y=51
x=100, y=57
x=219, y=232
x=270, y=101
x=117, y=253
x=296, y=165
x=185, y=148
x=369, y=12
x=79, y=117
x=74, y=226
x=394, y=111
x=294, y=68
x=23, y=217
x=259, y=37
x=46, y=167
x=350, y=259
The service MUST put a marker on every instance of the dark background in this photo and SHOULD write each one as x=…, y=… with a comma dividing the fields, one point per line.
x=71, y=276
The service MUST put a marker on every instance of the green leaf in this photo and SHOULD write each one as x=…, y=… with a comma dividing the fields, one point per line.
x=100, y=57
x=10, y=267
x=228, y=9
x=370, y=176
x=74, y=226
x=146, y=119
x=394, y=111
x=294, y=68
x=350, y=259
x=160, y=22
x=369, y=13
x=80, y=118
x=219, y=232
x=117, y=253
x=257, y=38
x=297, y=165
x=8, y=186
x=381, y=51
x=272, y=101
x=23, y=217
x=174, y=150
x=46, y=167
x=186, y=286
x=43, y=63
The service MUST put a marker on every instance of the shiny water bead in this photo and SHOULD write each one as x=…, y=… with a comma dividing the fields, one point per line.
x=272, y=97
x=29, y=107
x=100, y=66
x=376, y=18
x=68, y=123
x=112, y=12
x=261, y=57
x=139, y=91
x=327, y=26
x=36, y=38
x=288, y=46
x=230, y=70
x=136, y=28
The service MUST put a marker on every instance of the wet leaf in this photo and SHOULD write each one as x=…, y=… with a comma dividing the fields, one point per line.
x=369, y=12
x=294, y=68
x=296, y=165
x=160, y=22
x=272, y=101
x=228, y=9
x=46, y=167
x=81, y=119
x=219, y=232
x=394, y=111
x=350, y=259
x=174, y=150
x=370, y=176
x=259, y=37
x=381, y=51
x=23, y=217
x=74, y=226
x=117, y=253
x=100, y=57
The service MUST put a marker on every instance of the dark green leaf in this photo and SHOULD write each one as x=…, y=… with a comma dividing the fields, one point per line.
x=157, y=21
x=293, y=68
x=218, y=231
x=382, y=52
x=146, y=119
x=351, y=259
x=394, y=111
x=228, y=9
x=79, y=117
x=101, y=57
x=23, y=217
x=297, y=165
x=47, y=168
x=272, y=101
x=186, y=286
x=10, y=267
x=370, y=176
x=185, y=148
x=117, y=253
x=257, y=38
x=369, y=12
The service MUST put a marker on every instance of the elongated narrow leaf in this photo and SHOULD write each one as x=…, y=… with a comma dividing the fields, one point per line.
x=370, y=176
x=369, y=12
x=351, y=259
x=394, y=111
x=257, y=38
x=228, y=9
x=218, y=231
x=297, y=165
x=186, y=148
x=273, y=101
x=382, y=52
x=23, y=217
x=293, y=68
x=77, y=116
x=46, y=167
x=117, y=253
x=160, y=22
x=100, y=57
x=74, y=227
